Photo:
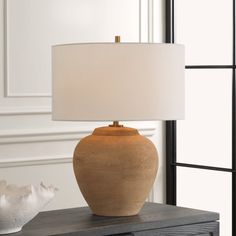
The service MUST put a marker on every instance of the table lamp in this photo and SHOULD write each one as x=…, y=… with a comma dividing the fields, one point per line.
x=115, y=166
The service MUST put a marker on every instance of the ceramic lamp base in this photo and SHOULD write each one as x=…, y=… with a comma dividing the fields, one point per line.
x=115, y=168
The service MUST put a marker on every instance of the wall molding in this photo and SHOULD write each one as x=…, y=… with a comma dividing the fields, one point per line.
x=14, y=111
x=28, y=136
x=22, y=162
x=42, y=135
x=150, y=21
x=58, y=134
x=151, y=40
x=55, y=134
x=7, y=92
x=7, y=82
x=51, y=135
x=35, y=161
x=151, y=195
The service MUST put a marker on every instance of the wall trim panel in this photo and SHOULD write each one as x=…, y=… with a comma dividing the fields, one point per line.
x=7, y=92
x=7, y=80
x=28, y=137
x=51, y=135
x=47, y=160
x=14, y=111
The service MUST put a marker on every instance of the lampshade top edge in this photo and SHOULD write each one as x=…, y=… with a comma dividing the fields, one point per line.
x=121, y=43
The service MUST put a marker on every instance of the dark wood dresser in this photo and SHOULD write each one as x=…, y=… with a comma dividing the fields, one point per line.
x=154, y=220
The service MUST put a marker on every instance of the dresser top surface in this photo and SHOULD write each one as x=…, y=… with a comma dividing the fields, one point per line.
x=80, y=221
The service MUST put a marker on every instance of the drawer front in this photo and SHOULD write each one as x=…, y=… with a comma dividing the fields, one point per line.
x=205, y=229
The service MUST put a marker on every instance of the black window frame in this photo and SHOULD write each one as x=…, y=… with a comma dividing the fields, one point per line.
x=171, y=126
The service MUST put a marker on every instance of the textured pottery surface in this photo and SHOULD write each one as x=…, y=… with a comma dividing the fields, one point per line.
x=18, y=205
x=115, y=168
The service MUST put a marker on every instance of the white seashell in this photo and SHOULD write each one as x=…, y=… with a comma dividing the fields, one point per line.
x=18, y=205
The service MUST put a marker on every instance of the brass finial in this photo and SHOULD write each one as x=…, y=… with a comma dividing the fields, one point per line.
x=117, y=39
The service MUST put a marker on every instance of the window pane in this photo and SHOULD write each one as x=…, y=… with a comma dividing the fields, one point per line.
x=206, y=190
x=206, y=29
x=204, y=137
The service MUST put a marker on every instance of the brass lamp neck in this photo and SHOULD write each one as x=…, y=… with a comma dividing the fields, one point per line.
x=117, y=39
x=115, y=124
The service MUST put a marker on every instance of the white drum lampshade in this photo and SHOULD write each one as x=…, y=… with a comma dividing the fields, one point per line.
x=125, y=81
x=115, y=167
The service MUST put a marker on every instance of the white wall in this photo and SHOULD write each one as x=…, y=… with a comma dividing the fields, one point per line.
x=32, y=147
